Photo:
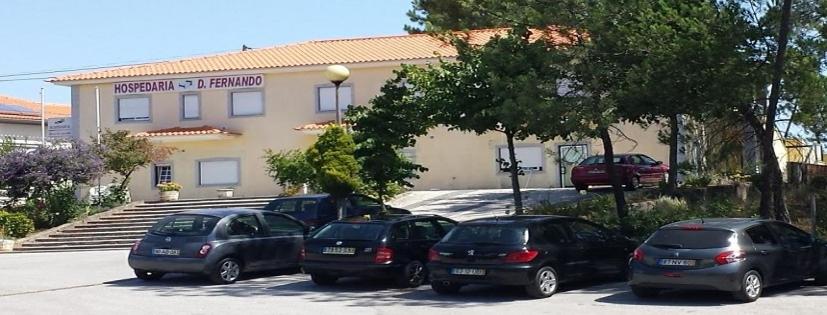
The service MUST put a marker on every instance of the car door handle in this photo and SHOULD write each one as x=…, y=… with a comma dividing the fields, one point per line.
x=764, y=252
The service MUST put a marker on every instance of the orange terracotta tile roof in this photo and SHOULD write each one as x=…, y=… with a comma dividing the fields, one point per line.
x=181, y=131
x=320, y=52
x=52, y=109
x=318, y=126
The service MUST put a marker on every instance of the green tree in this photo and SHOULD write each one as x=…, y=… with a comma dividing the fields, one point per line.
x=391, y=123
x=291, y=170
x=124, y=154
x=333, y=162
x=507, y=85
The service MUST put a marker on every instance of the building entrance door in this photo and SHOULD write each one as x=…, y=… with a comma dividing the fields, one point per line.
x=570, y=156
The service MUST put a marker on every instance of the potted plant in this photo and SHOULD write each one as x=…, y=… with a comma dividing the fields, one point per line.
x=6, y=245
x=169, y=191
x=225, y=192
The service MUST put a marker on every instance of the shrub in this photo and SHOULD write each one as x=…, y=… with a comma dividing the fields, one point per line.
x=15, y=225
x=698, y=180
x=171, y=186
x=58, y=207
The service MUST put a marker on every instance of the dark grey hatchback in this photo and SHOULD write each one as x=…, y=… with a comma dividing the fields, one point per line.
x=218, y=243
x=741, y=256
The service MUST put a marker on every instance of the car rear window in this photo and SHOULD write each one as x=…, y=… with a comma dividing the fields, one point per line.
x=292, y=206
x=487, y=234
x=690, y=238
x=185, y=225
x=598, y=160
x=351, y=231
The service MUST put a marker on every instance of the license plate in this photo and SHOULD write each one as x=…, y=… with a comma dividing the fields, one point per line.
x=468, y=271
x=166, y=252
x=339, y=250
x=677, y=262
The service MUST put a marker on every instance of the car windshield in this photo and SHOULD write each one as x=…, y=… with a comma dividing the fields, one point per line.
x=185, y=225
x=690, y=238
x=351, y=231
x=598, y=159
x=487, y=234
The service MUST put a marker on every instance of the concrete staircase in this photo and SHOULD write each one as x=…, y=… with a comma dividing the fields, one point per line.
x=120, y=228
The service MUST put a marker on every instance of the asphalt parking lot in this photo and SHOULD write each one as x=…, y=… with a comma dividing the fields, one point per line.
x=100, y=282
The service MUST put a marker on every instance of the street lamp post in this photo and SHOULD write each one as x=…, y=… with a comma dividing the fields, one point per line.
x=337, y=74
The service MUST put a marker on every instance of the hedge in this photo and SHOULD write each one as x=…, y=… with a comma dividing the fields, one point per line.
x=15, y=225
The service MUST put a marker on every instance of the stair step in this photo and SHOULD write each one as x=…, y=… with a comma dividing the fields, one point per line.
x=113, y=225
x=75, y=238
x=256, y=205
x=144, y=213
x=76, y=243
x=141, y=228
x=126, y=220
x=84, y=233
x=207, y=201
x=70, y=247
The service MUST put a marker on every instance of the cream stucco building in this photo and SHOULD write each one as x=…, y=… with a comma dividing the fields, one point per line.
x=222, y=111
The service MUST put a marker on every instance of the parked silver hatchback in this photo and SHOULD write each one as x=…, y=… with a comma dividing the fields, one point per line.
x=218, y=243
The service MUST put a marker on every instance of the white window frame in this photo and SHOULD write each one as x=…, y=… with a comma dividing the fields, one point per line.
x=156, y=176
x=343, y=102
x=231, y=102
x=199, y=168
x=502, y=153
x=184, y=106
x=119, y=119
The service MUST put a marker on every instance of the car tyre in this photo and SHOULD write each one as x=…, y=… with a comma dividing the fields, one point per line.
x=147, y=275
x=445, y=287
x=580, y=188
x=226, y=271
x=752, y=285
x=323, y=279
x=644, y=292
x=633, y=184
x=545, y=283
x=413, y=275
x=821, y=277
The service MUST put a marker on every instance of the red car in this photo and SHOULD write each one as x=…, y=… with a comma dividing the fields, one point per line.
x=634, y=170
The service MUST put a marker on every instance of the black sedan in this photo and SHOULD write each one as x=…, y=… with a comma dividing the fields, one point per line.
x=536, y=252
x=218, y=243
x=740, y=256
x=395, y=248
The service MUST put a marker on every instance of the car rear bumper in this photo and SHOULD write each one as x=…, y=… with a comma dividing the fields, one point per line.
x=366, y=270
x=169, y=264
x=722, y=278
x=511, y=274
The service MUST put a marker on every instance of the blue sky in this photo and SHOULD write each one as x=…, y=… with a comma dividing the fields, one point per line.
x=40, y=35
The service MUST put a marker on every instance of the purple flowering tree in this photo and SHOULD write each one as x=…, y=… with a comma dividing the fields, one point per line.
x=34, y=173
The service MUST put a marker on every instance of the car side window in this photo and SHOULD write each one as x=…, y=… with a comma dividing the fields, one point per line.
x=647, y=160
x=281, y=226
x=361, y=201
x=283, y=206
x=446, y=225
x=424, y=230
x=307, y=205
x=791, y=236
x=761, y=235
x=588, y=232
x=246, y=225
x=401, y=232
x=634, y=159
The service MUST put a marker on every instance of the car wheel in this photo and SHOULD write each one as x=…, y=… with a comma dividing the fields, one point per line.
x=413, y=275
x=226, y=271
x=148, y=275
x=323, y=279
x=751, y=287
x=580, y=188
x=821, y=278
x=445, y=287
x=644, y=292
x=544, y=285
x=633, y=184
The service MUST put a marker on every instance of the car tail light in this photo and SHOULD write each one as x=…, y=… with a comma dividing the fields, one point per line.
x=433, y=255
x=384, y=255
x=302, y=254
x=638, y=255
x=729, y=257
x=522, y=256
x=205, y=249
x=135, y=246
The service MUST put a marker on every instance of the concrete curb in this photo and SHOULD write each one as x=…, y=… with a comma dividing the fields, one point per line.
x=46, y=233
